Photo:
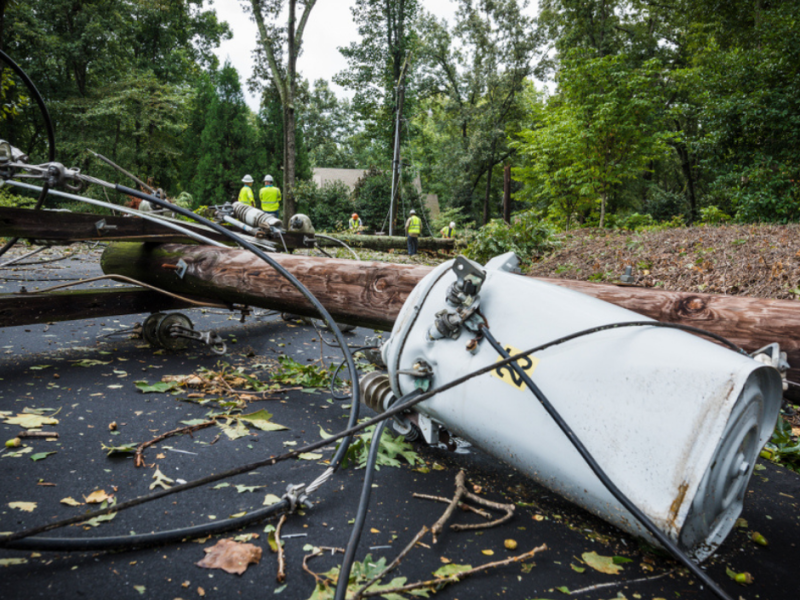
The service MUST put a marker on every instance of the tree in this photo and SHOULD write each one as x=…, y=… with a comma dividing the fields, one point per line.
x=226, y=143
x=473, y=77
x=601, y=131
x=284, y=77
x=375, y=62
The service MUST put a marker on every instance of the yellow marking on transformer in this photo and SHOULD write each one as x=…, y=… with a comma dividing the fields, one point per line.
x=507, y=374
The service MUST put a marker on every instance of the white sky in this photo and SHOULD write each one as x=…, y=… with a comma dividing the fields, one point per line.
x=329, y=27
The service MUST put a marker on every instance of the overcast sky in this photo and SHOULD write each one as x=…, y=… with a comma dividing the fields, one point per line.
x=329, y=27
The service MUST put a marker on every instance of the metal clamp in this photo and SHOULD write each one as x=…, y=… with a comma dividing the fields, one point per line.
x=296, y=495
x=209, y=338
x=771, y=355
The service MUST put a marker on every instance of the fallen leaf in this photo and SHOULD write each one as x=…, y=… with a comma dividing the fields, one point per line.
x=97, y=497
x=96, y=521
x=604, y=564
x=69, y=501
x=246, y=537
x=31, y=421
x=201, y=591
x=161, y=480
x=577, y=569
x=740, y=578
x=161, y=456
x=261, y=420
x=140, y=588
x=219, y=486
x=186, y=584
x=234, y=429
x=230, y=556
x=271, y=499
x=510, y=544
x=26, y=506
x=248, y=488
x=488, y=552
x=309, y=456
x=90, y=362
x=7, y=562
x=41, y=455
x=450, y=570
x=120, y=449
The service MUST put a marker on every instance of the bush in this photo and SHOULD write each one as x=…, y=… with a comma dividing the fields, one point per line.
x=527, y=236
x=635, y=222
x=329, y=207
x=711, y=215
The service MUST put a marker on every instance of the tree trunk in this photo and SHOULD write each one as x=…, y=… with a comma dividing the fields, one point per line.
x=289, y=146
x=386, y=242
x=487, y=196
x=507, y=195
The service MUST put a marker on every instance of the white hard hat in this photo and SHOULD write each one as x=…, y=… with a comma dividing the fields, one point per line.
x=268, y=178
x=247, y=179
x=452, y=224
x=412, y=212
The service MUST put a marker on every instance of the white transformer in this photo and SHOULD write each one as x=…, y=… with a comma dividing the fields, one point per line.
x=675, y=421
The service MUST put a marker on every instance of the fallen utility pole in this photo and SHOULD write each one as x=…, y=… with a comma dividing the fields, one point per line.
x=385, y=242
x=370, y=294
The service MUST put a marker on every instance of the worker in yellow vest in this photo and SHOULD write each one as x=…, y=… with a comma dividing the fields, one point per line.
x=355, y=224
x=413, y=227
x=246, y=193
x=449, y=232
x=270, y=197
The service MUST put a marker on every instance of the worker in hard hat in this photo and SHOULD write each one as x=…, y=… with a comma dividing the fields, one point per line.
x=270, y=197
x=355, y=224
x=246, y=193
x=449, y=231
x=413, y=227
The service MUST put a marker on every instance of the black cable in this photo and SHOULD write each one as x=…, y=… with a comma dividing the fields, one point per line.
x=130, y=542
x=662, y=538
x=361, y=514
x=48, y=123
x=363, y=503
x=396, y=409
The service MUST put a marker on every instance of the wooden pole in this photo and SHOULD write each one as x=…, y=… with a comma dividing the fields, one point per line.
x=385, y=242
x=371, y=294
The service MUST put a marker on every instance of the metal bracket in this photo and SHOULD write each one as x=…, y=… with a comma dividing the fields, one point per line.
x=209, y=338
x=101, y=226
x=181, y=268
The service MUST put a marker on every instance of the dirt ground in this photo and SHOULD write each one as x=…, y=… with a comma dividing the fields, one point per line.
x=762, y=261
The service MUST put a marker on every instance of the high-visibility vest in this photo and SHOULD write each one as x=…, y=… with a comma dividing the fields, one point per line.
x=448, y=232
x=355, y=224
x=246, y=196
x=270, y=197
x=414, y=225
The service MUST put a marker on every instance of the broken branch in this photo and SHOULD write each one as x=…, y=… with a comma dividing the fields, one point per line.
x=458, y=576
x=507, y=508
x=460, y=491
x=138, y=457
x=461, y=505
x=281, y=563
x=320, y=549
x=394, y=563
x=37, y=434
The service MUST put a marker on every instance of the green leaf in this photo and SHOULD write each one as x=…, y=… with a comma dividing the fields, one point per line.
x=450, y=570
x=248, y=488
x=158, y=387
x=219, y=486
x=120, y=449
x=621, y=560
x=563, y=589
x=41, y=455
x=261, y=420
x=140, y=588
x=235, y=431
x=96, y=521
x=577, y=569
x=90, y=362
x=604, y=564
x=309, y=456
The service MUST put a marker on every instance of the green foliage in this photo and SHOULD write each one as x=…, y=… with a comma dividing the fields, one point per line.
x=291, y=372
x=635, y=222
x=329, y=206
x=360, y=574
x=391, y=450
x=527, y=236
x=783, y=447
x=711, y=215
x=446, y=217
x=372, y=196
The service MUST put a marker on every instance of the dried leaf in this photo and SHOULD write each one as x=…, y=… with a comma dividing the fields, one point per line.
x=261, y=420
x=96, y=521
x=309, y=456
x=97, y=497
x=271, y=499
x=30, y=421
x=26, y=506
x=69, y=501
x=140, y=588
x=230, y=556
x=234, y=429
x=161, y=480
x=120, y=449
x=90, y=362
x=604, y=564
x=248, y=488
x=7, y=562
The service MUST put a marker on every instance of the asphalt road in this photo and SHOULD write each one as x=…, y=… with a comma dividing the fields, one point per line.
x=83, y=374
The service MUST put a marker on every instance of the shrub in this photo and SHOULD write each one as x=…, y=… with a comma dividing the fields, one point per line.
x=527, y=236
x=329, y=207
x=711, y=215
